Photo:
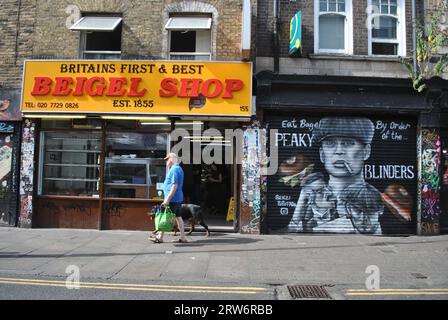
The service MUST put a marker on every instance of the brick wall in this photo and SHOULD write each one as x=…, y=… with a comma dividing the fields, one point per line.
x=16, y=42
x=44, y=29
x=265, y=27
x=288, y=9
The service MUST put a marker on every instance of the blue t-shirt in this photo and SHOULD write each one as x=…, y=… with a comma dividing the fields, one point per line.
x=174, y=176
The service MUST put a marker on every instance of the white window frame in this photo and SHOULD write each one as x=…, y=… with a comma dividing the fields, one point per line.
x=108, y=55
x=401, y=29
x=348, y=36
x=105, y=55
x=199, y=56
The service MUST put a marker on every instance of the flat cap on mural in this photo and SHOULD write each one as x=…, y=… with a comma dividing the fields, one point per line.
x=361, y=129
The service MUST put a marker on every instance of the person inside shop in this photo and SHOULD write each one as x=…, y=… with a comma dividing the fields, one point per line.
x=346, y=202
x=173, y=196
x=196, y=195
x=212, y=180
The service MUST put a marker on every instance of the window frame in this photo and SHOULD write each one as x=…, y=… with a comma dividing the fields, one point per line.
x=401, y=29
x=102, y=135
x=348, y=29
x=105, y=54
x=195, y=53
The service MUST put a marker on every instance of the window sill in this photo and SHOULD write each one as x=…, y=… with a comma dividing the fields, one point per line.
x=132, y=200
x=68, y=197
x=353, y=57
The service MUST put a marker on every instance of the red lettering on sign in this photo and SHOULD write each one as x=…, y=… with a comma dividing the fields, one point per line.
x=206, y=88
x=116, y=87
x=190, y=88
x=133, y=92
x=79, y=90
x=232, y=85
x=98, y=90
x=191, y=85
x=61, y=87
x=42, y=86
x=168, y=86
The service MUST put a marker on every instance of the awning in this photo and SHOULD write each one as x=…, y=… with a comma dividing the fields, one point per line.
x=105, y=24
x=188, y=23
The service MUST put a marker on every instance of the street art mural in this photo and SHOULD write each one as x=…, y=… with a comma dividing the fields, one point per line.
x=9, y=146
x=6, y=157
x=343, y=175
x=10, y=105
x=26, y=174
x=430, y=181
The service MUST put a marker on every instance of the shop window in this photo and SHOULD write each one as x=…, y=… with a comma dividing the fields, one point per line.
x=134, y=165
x=189, y=38
x=387, y=30
x=100, y=37
x=333, y=26
x=70, y=164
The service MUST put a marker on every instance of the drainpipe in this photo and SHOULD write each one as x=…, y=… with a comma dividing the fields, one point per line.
x=16, y=53
x=414, y=34
x=275, y=44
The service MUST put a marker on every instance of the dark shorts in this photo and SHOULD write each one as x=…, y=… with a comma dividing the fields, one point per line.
x=175, y=208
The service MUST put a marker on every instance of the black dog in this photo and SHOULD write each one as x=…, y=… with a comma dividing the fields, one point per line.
x=190, y=212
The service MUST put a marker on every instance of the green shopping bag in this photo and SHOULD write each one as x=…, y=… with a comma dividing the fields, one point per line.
x=165, y=220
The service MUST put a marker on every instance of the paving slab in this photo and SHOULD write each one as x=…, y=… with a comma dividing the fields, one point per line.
x=336, y=260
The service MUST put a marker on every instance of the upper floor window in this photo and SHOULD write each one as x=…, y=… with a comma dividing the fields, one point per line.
x=333, y=25
x=100, y=37
x=387, y=28
x=189, y=37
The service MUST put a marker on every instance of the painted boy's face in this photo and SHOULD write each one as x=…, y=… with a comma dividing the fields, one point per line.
x=343, y=156
x=4, y=105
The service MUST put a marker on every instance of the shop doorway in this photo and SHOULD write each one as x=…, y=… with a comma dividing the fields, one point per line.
x=444, y=190
x=212, y=185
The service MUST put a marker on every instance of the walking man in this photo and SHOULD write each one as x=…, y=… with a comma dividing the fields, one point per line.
x=173, y=196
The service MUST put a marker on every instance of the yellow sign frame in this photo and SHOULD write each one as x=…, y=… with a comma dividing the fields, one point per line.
x=184, y=88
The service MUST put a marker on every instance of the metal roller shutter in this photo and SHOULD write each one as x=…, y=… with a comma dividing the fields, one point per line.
x=341, y=174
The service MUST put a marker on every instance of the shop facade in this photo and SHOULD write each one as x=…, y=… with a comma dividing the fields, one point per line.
x=349, y=154
x=98, y=132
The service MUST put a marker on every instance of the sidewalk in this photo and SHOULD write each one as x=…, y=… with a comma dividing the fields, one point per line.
x=339, y=260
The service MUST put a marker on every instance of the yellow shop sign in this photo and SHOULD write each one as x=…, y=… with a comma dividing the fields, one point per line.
x=138, y=87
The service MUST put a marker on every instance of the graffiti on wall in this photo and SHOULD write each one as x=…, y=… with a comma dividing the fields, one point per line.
x=113, y=209
x=77, y=208
x=430, y=181
x=26, y=174
x=10, y=105
x=251, y=202
x=26, y=211
x=6, y=156
x=343, y=175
